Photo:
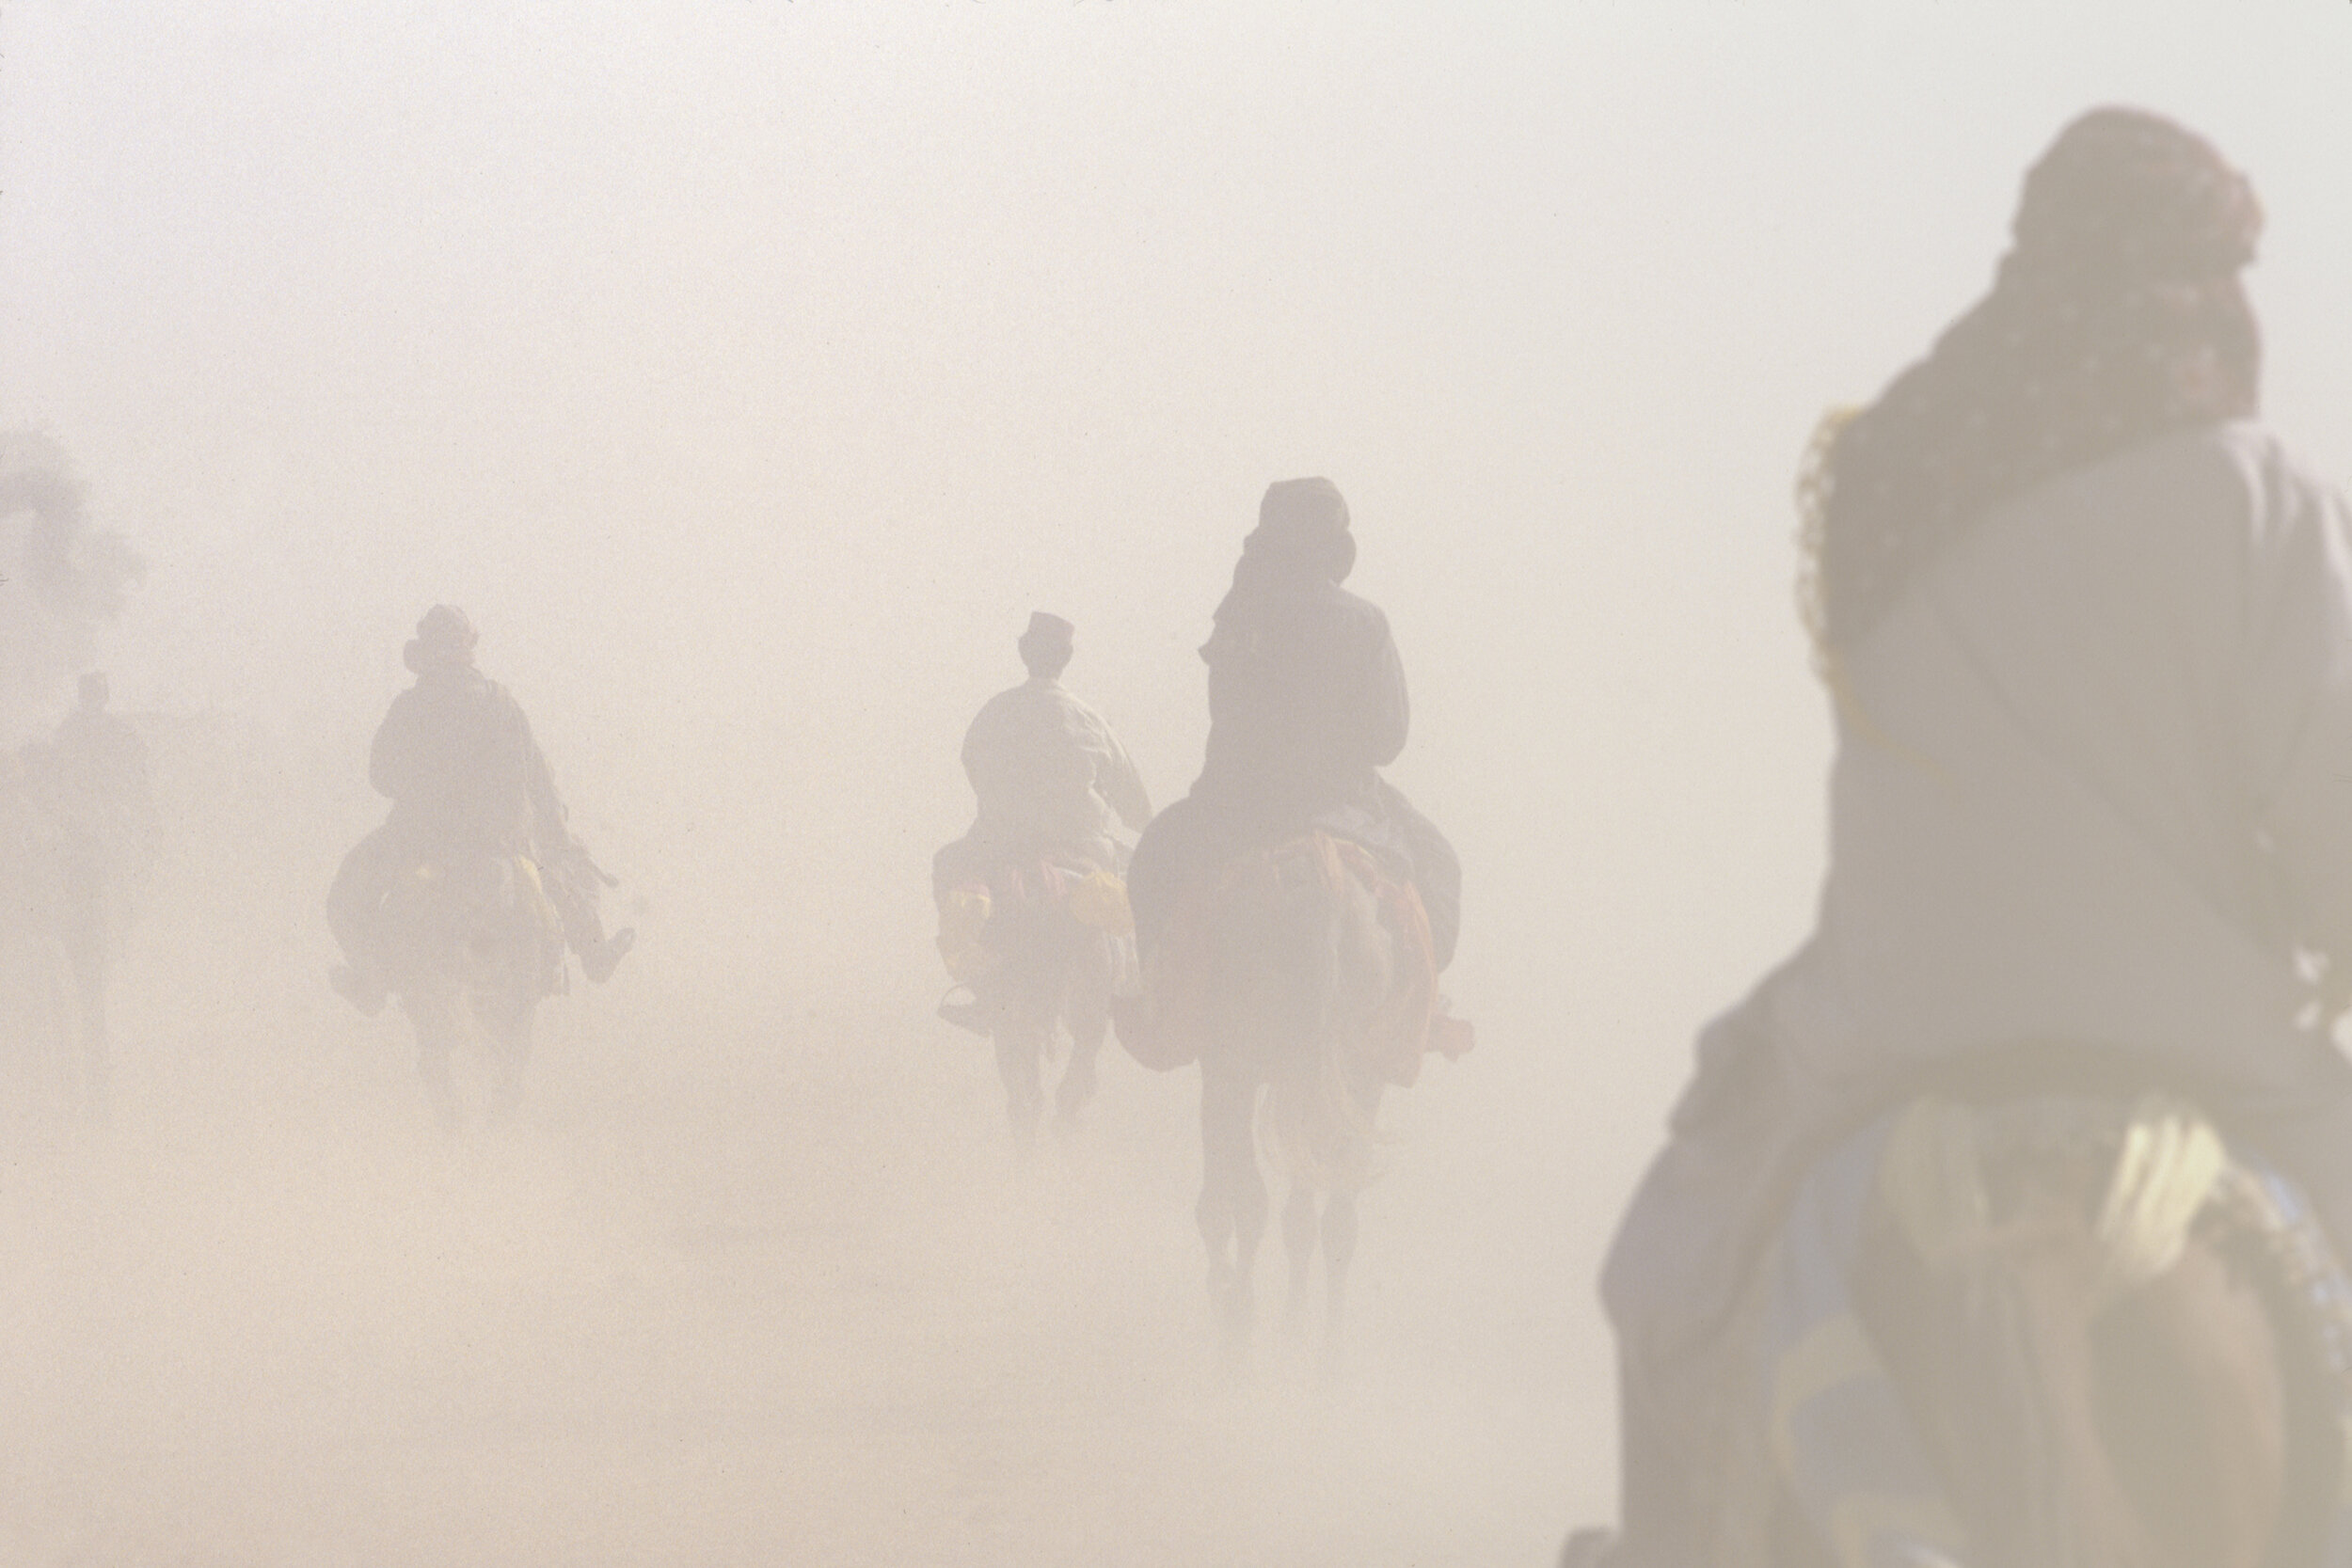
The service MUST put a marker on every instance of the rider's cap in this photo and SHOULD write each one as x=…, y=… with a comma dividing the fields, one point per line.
x=1044, y=628
x=1046, y=635
x=444, y=637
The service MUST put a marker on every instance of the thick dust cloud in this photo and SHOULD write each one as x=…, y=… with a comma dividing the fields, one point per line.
x=750, y=373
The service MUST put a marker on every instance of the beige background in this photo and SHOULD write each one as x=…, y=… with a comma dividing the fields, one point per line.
x=751, y=369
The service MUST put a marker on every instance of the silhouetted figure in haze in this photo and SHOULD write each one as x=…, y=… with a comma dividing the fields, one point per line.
x=467, y=781
x=36, y=1014
x=2088, y=633
x=1030, y=916
x=1307, y=703
x=91, y=781
x=102, y=759
x=1293, y=913
x=1050, y=779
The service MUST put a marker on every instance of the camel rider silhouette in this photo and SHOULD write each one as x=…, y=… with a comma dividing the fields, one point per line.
x=1307, y=703
x=1051, y=781
x=466, y=780
x=2087, y=628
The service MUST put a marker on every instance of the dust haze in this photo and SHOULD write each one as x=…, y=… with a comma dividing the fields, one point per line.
x=750, y=372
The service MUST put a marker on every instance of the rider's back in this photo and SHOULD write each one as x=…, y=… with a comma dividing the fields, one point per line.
x=1048, y=775
x=454, y=754
x=2078, y=789
x=1307, y=697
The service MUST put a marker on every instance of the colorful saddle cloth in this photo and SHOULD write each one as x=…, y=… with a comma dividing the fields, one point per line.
x=1189, y=976
x=979, y=920
x=1835, y=1430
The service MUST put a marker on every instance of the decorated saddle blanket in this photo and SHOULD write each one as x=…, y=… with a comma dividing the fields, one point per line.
x=476, y=920
x=980, y=919
x=1195, y=972
x=1834, y=1438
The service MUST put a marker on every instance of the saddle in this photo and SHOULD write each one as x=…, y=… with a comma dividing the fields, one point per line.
x=1186, y=983
x=475, y=920
x=982, y=922
x=1944, y=1179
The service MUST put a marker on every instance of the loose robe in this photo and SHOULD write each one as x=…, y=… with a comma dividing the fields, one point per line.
x=1307, y=703
x=1051, y=781
x=2093, y=792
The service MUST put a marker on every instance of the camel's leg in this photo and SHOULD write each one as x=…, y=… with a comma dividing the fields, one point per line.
x=1338, y=1250
x=1232, y=1208
x=85, y=933
x=1214, y=1214
x=507, y=1021
x=1088, y=1012
x=1338, y=1239
x=433, y=1016
x=1299, y=1235
x=96, y=1048
x=1020, y=1048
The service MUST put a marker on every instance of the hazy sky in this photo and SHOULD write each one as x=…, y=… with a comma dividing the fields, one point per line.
x=751, y=368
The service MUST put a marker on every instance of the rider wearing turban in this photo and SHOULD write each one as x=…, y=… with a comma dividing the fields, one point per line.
x=1307, y=703
x=2088, y=630
x=466, y=779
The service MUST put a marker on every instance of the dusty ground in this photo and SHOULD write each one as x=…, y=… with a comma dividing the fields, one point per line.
x=750, y=1282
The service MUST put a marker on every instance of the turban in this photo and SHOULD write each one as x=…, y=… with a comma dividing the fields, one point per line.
x=2116, y=317
x=1303, y=522
x=444, y=638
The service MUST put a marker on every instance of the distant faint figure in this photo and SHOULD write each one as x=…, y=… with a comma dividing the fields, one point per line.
x=100, y=780
x=92, y=780
x=1033, y=914
x=472, y=796
x=39, y=1040
x=2088, y=630
x=60, y=575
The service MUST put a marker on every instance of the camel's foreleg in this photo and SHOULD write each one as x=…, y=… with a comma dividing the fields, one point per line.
x=507, y=1021
x=1300, y=1234
x=1233, y=1207
x=1020, y=1054
x=1339, y=1251
x=434, y=1017
x=1087, y=1010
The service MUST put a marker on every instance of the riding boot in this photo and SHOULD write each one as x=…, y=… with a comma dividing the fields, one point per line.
x=599, y=958
x=967, y=1015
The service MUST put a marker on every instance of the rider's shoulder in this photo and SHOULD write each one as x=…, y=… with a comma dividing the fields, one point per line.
x=2236, y=477
x=2281, y=480
x=1358, y=612
x=2240, y=465
x=488, y=693
x=2247, y=474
